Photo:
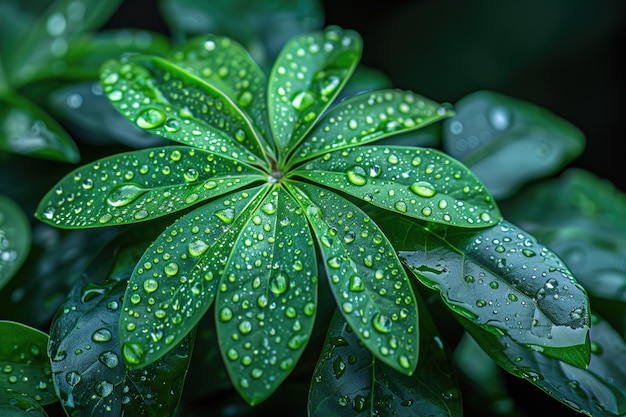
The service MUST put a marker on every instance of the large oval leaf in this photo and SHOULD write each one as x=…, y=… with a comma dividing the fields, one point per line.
x=508, y=142
x=369, y=283
x=175, y=281
x=267, y=300
x=349, y=381
x=502, y=280
x=416, y=182
x=596, y=391
x=227, y=66
x=15, y=404
x=307, y=75
x=24, y=365
x=26, y=129
x=168, y=101
x=15, y=238
x=140, y=185
x=369, y=117
x=89, y=372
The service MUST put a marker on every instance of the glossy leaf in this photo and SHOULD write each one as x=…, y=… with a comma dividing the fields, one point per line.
x=44, y=45
x=175, y=281
x=24, y=363
x=140, y=185
x=87, y=54
x=416, y=182
x=502, y=280
x=596, y=391
x=349, y=381
x=262, y=26
x=266, y=303
x=508, y=142
x=369, y=117
x=369, y=283
x=15, y=238
x=307, y=75
x=89, y=372
x=226, y=65
x=179, y=106
x=26, y=129
x=16, y=404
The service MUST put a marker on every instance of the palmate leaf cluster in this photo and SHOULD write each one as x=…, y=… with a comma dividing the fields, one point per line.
x=272, y=192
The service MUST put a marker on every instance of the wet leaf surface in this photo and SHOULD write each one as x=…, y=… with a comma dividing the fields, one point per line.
x=176, y=279
x=140, y=185
x=24, y=365
x=370, y=285
x=89, y=372
x=349, y=381
x=267, y=299
x=308, y=74
x=416, y=182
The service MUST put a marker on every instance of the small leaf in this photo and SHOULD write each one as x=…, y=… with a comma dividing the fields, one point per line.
x=308, y=74
x=226, y=65
x=177, y=105
x=87, y=364
x=175, y=281
x=349, y=381
x=416, y=182
x=15, y=238
x=504, y=281
x=595, y=391
x=15, y=404
x=266, y=304
x=26, y=129
x=508, y=142
x=369, y=283
x=140, y=185
x=24, y=365
x=369, y=117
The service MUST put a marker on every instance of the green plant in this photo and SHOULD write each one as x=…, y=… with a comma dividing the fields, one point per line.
x=288, y=219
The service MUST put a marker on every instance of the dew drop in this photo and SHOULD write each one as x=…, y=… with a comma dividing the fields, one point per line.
x=109, y=359
x=172, y=125
x=101, y=335
x=150, y=285
x=171, y=269
x=382, y=323
x=226, y=215
x=279, y=284
x=123, y=194
x=302, y=100
x=357, y=175
x=245, y=98
x=72, y=378
x=423, y=189
x=103, y=388
x=401, y=206
x=150, y=118
x=226, y=314
x=356, y=283
x=500, y=118
x=197, y=247
x=133, y=353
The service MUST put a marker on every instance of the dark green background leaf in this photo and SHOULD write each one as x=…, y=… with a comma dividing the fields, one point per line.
x=15, y=238
x=19, y=405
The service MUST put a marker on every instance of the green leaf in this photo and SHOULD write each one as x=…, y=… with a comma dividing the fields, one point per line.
x=175, y=281
x=24, y=363
x=502, y=280
x=595, y=391
x=26, y=129
x=140, y=185
x=15, y=238
x=262, y=26
x=15, y=404
x=177, y=105
x=227, y=66
x=349, y=381
x=417, y=182
x=266, y=304
x=369, y=284
x=86, y=54
x=87, y=365
x=308, y=74
x=508, y=142
x=369, y=117
x=40, y=52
